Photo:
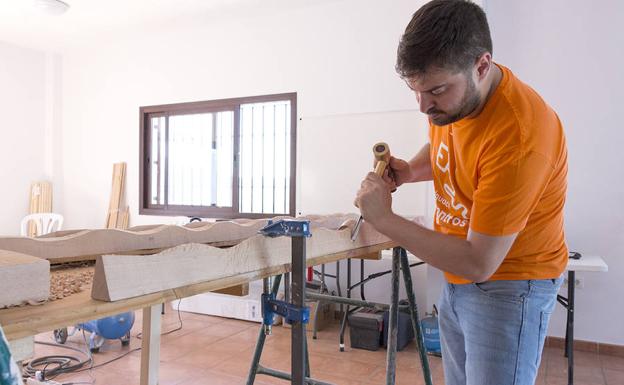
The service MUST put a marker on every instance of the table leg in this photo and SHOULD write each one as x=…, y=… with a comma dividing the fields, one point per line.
x=150, y=345
x=570, y=327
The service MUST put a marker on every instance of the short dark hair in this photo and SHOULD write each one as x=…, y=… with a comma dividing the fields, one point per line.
x=449, y=34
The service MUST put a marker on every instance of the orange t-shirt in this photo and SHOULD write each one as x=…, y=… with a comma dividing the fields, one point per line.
x=503, y=172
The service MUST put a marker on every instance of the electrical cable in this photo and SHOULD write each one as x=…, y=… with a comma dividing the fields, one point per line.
x=109, y=361
x=64, y=362
x=78, y=383
x=138, y=336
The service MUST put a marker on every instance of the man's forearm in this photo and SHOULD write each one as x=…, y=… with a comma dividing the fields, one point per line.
x=445, y=252
x=420, y=165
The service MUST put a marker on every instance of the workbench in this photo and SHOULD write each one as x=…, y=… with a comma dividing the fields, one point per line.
x=26, y=321
x=585, y=263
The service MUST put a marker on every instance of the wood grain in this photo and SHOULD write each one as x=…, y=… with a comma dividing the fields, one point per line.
x=23, y=279
x=40, y=202
x=124, y=276
x=79, y=245
x=32, y=320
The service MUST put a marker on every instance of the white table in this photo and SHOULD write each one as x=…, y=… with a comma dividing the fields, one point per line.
x=586, y=263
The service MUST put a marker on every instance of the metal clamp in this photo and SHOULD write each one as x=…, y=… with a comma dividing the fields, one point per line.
x=286, y=228
x=290, y=312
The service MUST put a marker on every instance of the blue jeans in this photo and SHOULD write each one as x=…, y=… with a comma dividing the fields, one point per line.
x=492, y=333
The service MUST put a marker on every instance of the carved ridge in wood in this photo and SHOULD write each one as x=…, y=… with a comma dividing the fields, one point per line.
x=76, y=245
x=125, y=276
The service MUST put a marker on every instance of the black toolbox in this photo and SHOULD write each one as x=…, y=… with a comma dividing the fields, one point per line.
x=405, y=333
x=365, y=329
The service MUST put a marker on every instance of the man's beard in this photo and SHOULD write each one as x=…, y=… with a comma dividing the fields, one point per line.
x=469, y=103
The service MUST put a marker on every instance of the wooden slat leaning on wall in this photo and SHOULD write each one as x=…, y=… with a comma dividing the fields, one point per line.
x=40, y=202
x=117, y=218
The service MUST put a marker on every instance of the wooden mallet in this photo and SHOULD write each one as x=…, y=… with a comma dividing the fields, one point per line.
x=381, y=151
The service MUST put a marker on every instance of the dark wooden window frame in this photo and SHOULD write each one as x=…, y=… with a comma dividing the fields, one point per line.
x=233, y=104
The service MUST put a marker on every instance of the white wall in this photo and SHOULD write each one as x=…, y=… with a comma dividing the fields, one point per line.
x=22, y=148
x=338, y=56
x=571, y=53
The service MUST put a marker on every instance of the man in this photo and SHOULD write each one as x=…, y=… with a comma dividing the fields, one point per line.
x=497, y=156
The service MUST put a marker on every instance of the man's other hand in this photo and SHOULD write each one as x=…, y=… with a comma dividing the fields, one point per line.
x=397, y=173
x=374, y=199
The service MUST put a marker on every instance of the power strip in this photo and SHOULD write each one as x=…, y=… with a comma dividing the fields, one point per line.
x=32, y=381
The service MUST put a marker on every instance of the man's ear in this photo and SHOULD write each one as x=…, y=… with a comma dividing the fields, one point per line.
x=483, y=65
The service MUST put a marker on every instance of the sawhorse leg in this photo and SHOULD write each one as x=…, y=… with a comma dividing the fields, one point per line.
x=393, y=319
x=298, y=332
x=150, y=345
x=400, y=262
x=255, y=363
x=420, y=342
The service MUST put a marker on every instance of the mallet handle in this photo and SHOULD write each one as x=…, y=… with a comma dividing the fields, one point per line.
x=381, y=151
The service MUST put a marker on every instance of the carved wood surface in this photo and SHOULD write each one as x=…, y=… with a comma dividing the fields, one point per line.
x=125, y=276
x=19, y=322
x=76, y=245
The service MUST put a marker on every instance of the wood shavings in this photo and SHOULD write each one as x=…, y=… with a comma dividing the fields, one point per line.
x=68, y=281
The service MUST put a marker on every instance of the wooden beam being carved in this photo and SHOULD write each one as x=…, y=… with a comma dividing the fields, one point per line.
x=125, y=276
x=77, y=245
x=23, y=279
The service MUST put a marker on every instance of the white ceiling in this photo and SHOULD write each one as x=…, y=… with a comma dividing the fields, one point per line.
x=89, y=21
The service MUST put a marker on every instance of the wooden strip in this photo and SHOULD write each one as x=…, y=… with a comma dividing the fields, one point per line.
x=46, y=198
x=119, y=172
x=34, y=194
x=123, y=221
x=372, y=256
x=238, y=290
x=31, y=209
x=40, y=202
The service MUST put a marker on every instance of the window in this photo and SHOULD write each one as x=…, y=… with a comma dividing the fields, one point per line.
x=228, y=158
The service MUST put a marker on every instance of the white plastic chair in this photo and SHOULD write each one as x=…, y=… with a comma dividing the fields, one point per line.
x=44, y=222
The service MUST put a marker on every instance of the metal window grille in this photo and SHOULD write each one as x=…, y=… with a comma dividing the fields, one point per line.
x=264, y=179
x=229, y=162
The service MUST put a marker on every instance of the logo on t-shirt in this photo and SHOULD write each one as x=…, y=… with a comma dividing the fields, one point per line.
x=446, y=201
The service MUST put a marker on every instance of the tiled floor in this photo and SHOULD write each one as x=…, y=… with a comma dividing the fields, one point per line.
x=216, y=351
